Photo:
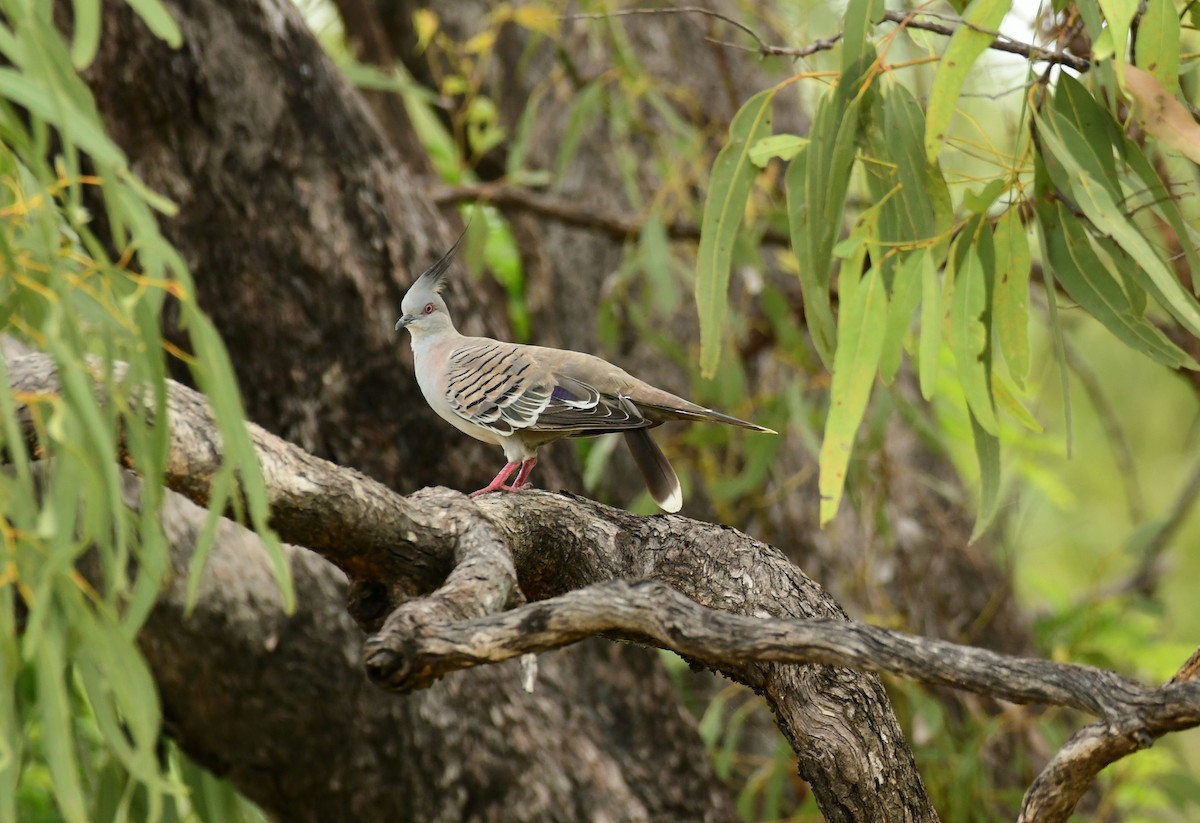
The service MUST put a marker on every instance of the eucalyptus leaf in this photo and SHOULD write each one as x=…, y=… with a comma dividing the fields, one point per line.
x=729, y=188
x=965, y=47
x=1157, y=44
x=929, y=345
x=861, y=328
x=1010, y=311
x=987, y=453
x=969, y=336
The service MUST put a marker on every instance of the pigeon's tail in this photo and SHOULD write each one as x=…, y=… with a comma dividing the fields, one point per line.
x=660, y=406
x=656, y=469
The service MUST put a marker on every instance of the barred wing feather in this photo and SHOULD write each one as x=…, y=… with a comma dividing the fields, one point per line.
x=502, y=388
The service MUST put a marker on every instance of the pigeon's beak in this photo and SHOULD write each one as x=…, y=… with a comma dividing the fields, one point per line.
x=404, y=321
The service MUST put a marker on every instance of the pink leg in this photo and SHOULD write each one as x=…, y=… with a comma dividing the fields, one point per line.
x=522, y=480
x=498, y=482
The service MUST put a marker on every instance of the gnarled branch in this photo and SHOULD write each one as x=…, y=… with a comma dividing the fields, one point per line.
x=653, y=613
x=708, y=592
x=849, y=745
x=1053, y=796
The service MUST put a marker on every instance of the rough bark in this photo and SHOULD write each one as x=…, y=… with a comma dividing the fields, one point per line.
x=303, y=227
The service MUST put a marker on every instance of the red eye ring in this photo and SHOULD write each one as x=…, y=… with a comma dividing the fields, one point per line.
x=428, y=308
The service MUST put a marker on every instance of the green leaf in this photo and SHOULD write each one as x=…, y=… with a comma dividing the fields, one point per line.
x=152, y=198
x=12, y=740
x=1118, y=14
x=987, y=452
x=657, y=264
x=1133, y=278
x=933, y=315
x=54, y=108
x=213, y=800
x=86, y=37
x=58, y=739
x=119, y=682
x=1157, y=43
x=966, y=45
x=156, y=17
x=817, y=183
x=1086, y=277
x=861, y=327
x=906, y=295
x=214, y=375
x=1093, y=130
x=1166, y=203
x=729, y=187
x=861, y=18
x=917, y=205
x=1010, y=310
x=1043, y=193
x=853, y=253
x=1005, y=393
x=979, y=202
x=585, y=108
x=969, y=334
x=783, y=146
x=1093, y=198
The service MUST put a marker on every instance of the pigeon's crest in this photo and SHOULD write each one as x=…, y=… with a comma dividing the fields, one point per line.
x=434, y=277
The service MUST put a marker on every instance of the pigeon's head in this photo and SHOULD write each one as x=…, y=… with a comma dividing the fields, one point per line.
x=423, y=307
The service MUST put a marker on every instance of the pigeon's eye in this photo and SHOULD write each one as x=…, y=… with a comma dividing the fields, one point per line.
x=428, y=308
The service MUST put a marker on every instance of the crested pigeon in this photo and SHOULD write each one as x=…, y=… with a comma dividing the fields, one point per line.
x=521, y=397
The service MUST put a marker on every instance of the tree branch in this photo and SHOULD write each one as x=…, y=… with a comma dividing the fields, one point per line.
x=1053, y=796
x=840, y=723
x=348, y=518
x=618, y=227
x=653, y=613
x=1001, y=42
x=572, y=555
x=905, y=19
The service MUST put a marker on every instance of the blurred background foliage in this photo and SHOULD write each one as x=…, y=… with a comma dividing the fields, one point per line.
x=1092, y=498
x=79, y=715
x=1088, y=491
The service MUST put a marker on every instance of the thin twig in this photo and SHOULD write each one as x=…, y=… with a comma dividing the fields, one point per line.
x=763, y=47
x=618, y=227
x=671, y=10
x=1000, y=42
x=822, y=44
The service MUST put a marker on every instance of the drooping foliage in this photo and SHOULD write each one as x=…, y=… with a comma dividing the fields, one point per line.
x=71, y=677
x=1092, y=195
